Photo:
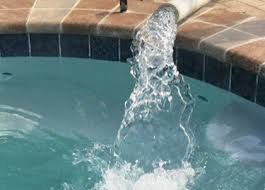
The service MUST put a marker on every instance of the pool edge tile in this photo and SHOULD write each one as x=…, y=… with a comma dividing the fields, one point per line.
x=105, y=48
x=44, y=45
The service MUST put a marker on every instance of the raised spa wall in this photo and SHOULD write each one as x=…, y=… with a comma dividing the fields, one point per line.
x=222, y=44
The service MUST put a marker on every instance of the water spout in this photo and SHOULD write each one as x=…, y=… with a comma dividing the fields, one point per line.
x=154, y=142
x=154, y=122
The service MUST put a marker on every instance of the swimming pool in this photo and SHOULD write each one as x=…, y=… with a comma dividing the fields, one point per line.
x=60, y=117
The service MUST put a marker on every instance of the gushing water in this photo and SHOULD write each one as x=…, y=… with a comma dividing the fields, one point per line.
x=154, y=142
x=159, y=107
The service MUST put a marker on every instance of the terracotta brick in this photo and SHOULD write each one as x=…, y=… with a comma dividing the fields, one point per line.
x=97, y=4
x=191, y=33
x=217, y=45
x=236, y=6
x=83, y=21
x=15, y=4
x=13, y=21
x=223, y=17
x=55, y=3
x=255, y=27
x=262, y=7
x=46, y=20
x=254, y=3
x=143, y=6
x=120, y=25
x=249, y=56
x=205, y=9
x=161, y=1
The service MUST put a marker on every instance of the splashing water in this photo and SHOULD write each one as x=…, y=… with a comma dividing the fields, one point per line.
x=154, y=123
x=130, y=177
x=154, y=142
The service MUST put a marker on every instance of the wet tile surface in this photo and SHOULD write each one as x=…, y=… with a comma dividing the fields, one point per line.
x=120, y=25
x=243, y=83
x=249, y=56
x=82, y=21
x=98, y=4
x=125, y=49
x=14, y=45
x=13, y=21
x=261, y=91
x=55, y=3
x=44, y=45
x=46, y=20
x=239, y=6
x=15, y=4
x=260, y=99
x=217, y=45
x=217, y=73
x=143, y=6
x=190, y=63
x=191, y=33
x=75, y=45
x=223, y=17
x=255, y=27
x=104, y=48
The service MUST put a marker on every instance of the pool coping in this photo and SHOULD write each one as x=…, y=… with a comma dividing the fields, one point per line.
x=219, y=44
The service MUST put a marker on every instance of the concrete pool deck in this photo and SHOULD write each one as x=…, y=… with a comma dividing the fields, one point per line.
x=226, y=38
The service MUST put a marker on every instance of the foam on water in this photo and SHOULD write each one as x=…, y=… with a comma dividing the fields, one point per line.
x=128, y=177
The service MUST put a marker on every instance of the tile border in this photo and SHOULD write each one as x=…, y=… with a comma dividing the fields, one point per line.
x=233, y=78
x=195, y=64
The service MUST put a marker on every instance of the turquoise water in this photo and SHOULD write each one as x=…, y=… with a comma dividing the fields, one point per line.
x=60, y=117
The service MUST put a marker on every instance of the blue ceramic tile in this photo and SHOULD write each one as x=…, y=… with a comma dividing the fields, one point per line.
x=261, y=91
x=190, y=63
x=104, y=48
x=243, y=83
x=14, y=45
x=217, y=73
x=125, y=49
x=44, y=44
x=74, y=45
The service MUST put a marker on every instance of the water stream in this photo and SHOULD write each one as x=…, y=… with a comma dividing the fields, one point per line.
x=154, y=142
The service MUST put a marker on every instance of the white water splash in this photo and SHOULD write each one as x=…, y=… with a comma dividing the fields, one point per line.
x=130, y=177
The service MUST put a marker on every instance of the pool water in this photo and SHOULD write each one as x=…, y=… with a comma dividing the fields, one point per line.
x=59, y=118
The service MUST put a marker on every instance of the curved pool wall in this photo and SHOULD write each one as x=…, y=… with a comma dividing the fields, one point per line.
x=220, y=45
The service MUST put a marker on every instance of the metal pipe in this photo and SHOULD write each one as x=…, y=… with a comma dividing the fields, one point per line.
x=123, y=6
